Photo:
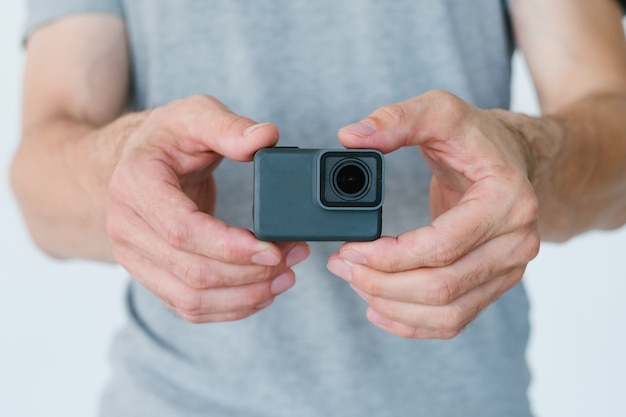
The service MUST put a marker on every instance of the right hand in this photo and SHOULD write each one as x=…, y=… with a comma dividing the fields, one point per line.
x=159, y=216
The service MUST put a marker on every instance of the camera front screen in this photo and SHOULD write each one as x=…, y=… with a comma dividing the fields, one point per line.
x=351, y=180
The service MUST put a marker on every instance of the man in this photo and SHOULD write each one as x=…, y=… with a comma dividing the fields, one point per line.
x=121, y=160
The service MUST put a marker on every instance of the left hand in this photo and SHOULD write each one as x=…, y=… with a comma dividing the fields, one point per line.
x=432, y=281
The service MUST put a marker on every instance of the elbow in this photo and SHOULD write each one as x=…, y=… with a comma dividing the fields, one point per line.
x=44, y=246
x=20, y=181
x=49, y=211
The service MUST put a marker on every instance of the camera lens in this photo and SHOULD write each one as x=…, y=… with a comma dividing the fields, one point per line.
x=351, y=179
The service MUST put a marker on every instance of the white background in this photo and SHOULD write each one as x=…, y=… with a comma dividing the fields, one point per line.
x=56, y=318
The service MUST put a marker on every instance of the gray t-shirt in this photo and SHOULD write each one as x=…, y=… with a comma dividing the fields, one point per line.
x=312, y=67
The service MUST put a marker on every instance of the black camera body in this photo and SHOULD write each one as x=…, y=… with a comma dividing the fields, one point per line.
x=318, y=194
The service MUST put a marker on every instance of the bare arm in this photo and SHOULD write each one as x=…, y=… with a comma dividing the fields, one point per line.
x=576, y=52
x=75, y=87
x=138, y=188
x=501, y=180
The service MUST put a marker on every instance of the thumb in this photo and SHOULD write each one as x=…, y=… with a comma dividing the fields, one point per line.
x=229, y=134
x=432, y=115
x=202, y=124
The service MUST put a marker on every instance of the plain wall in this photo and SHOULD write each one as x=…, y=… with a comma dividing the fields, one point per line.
x=56, y=318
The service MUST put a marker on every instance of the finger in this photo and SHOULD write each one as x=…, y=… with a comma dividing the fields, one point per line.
x=159, y=202
x=219, y=304
x=199, y=305
x=435, y=114
x=485, y=212
x=432, y=246
x=202, y=124
x=205, y=273
x=181, y=138
x=294, y=252
x=442, y=286
x=195, y=270
x=439, y=322
x=227, y=297
x=461, y=143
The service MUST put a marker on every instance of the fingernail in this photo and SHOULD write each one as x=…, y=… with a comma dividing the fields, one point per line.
x=353, y=256
x=297, y=255
x=265, y=304
x=376, y=318
x=252, y=128
x=340, y=268
x=266, y=258
x=282, y=283
x=363, y=129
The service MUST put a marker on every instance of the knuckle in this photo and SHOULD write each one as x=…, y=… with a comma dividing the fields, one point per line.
x=237, y=315
x=387, y=308
x=371, y=286
x=178, y=235
x=180, y=115
x=194, y=103
x=445, y=100
x=120, y=254
x=445, y=254
x=453, y=320
x=188, y=302
x=199, y=275
x=201, y=100
x=448, y=335
x=531, y=246
x=221, y=246
x=395, y=249
x=118, y=190
x=221, y=251
x=218, y=318
x=233, y=123
x=191, y=318
x=115, y=230
x=442, y=291
x=406, y=332
x=413, y=251
x=530, y=241
x=252, y=298
x=116, y=185
x=396, y=112
x=534, y=245
x=263, y=274
x=529, y=211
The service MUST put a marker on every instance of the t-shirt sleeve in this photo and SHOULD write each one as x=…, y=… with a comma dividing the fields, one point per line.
x=42, y=12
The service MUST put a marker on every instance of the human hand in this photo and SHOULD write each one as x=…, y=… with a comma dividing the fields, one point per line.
x=162, y=195
x=432, y=281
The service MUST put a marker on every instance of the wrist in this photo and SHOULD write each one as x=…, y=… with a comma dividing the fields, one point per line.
x=541, y=144
x=575, y=161
x=537, y=139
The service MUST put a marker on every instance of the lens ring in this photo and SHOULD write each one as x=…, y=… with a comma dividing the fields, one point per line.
x=350, y=179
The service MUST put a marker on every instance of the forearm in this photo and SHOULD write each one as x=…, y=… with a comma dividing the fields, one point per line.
x=577, y=164
x=60, y=177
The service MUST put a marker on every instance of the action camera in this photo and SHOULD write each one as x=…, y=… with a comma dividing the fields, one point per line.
x=318, y=194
